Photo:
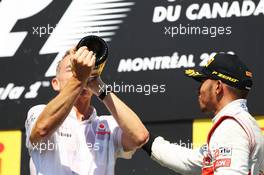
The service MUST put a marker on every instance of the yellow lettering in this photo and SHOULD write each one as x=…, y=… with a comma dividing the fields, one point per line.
x=227, y=77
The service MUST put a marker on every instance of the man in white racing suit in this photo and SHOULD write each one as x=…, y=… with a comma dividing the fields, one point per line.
x=235, y=144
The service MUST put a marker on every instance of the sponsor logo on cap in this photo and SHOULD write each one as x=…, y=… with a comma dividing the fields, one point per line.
x=209, y=62
x=226, y=77
x=192, y=72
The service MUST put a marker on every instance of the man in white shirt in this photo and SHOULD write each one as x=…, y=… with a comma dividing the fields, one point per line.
x=235, y=144
x=67, y=137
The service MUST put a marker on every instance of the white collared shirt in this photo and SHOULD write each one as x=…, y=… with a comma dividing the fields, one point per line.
x=89, y=147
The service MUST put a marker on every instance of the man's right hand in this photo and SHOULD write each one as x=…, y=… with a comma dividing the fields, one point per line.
x=83, y=62
x=56, y=111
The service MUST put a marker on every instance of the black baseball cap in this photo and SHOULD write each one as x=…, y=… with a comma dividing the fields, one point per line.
x=227, y=68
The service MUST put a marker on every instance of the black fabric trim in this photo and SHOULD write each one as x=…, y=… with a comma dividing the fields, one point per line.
x=148, y=145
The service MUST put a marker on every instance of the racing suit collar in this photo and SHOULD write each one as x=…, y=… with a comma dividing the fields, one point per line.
x=231, y=109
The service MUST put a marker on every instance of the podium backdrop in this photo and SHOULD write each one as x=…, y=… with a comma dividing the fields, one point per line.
x=151, y=43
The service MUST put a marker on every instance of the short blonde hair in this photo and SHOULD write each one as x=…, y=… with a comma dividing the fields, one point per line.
x=59, y=63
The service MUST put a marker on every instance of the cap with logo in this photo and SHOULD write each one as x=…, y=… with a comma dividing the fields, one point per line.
x=227, y=68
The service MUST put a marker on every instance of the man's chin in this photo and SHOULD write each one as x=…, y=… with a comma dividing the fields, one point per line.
x=204, y=109
x=207, y=112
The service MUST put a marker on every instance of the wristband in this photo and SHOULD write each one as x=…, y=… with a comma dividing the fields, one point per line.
x=147, y=147
x=104, y=93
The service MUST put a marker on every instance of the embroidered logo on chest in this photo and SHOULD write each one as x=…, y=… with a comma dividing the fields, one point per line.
x=102, y=129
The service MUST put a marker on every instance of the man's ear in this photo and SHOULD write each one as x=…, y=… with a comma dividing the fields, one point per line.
x=55, y=84
x=219, y=87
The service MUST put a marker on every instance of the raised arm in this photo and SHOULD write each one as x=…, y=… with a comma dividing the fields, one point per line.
x=134, y=133
x=58, y=108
